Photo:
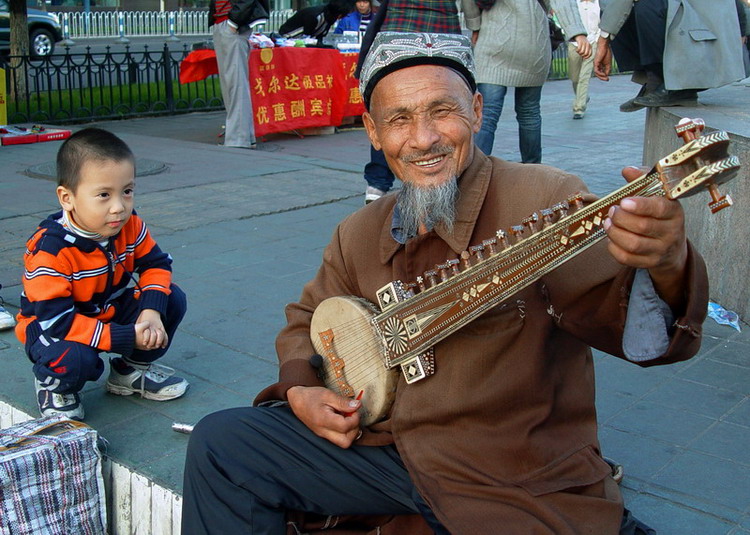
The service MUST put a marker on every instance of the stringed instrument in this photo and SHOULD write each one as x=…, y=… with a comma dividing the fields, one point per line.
x=363, y=345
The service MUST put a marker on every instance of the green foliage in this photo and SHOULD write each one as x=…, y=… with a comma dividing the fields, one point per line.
x=116, y=102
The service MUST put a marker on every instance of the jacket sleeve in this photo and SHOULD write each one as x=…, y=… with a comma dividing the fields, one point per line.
x=154, y=269
x=293, y=344
x=569, y=17
x=614, y=15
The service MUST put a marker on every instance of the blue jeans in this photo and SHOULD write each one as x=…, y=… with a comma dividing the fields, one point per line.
x=377, y=173
x=528, y=115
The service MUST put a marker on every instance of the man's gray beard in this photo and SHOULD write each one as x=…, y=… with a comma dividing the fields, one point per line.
x=428, y=206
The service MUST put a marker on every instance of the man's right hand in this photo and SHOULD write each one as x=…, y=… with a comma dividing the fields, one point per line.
x=603, y=59
x=325, y=413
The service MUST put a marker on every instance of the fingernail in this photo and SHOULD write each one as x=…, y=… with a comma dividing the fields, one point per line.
x=628, y=204
x=607, y=223
x=634, y=167
x=354, y=403
x=611, y=211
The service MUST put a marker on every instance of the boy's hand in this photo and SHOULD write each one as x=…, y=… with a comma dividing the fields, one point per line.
x=152, y=334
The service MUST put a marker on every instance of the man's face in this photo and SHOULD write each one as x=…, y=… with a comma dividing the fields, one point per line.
x=103, y=201
x=363, y=6
x=424, y=119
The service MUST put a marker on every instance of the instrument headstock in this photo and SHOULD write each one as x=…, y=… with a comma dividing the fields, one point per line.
x=704, y=160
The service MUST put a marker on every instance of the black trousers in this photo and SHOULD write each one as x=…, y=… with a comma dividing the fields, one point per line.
x=246, y=467
x=639, y=45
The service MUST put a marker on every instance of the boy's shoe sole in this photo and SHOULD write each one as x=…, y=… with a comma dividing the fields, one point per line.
x=165, y=394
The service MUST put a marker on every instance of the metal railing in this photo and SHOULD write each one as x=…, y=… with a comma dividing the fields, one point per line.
x=97, y=24
x=80, y=87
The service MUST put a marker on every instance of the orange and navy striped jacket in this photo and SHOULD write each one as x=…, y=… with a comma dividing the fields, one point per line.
x=71, y=284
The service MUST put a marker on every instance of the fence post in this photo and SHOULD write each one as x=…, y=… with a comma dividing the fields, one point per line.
x=169, y=90
x=172, y=36
x=3, y=100
x=121, y=28
x=67, y=41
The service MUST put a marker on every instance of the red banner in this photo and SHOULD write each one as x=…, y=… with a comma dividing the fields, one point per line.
x=291, y=88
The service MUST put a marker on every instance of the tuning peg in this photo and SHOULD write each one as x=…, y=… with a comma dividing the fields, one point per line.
x=530, y=222
x=431, y=276
x=477, y=251
x=411, y=289
x=517, y=231
x=443, y=271
x=453, y=263
x=490, y=245
x=718, y=201
x=546, y=217
x=466, y=258
x=502, y=239
x=576, y=200
x=689, y=129
x=561, y=208
x=420, y=283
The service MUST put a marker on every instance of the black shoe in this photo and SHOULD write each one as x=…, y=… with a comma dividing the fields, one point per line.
x=664, y=97
x=578, y=115
x=630, y=105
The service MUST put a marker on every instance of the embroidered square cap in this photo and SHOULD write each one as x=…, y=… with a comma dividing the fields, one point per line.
x=392, y=51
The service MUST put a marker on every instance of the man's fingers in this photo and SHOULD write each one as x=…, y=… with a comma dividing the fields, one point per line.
x=634, y=172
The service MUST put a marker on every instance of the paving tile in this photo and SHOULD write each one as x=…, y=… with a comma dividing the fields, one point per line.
x=741, y=414
x=678, y=393
x=648, y=419
x=719, y=374
x=714, y=480
x=669, y=518
x=628, y=450
x=727, y=441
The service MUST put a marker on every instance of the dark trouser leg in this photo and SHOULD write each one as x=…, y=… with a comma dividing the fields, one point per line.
x=529, y=117
x=377, y=173
x=246, y=467
x=639, y=45
x=63, y=367
x=129, y=308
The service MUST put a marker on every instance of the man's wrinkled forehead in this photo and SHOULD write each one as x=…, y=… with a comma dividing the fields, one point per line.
x=392, y=51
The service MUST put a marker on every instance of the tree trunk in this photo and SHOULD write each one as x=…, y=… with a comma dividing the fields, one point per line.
x=19, y=47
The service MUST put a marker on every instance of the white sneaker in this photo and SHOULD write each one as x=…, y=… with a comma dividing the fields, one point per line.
x=372, y=194
x=151, y=381
x=7, y=321
x=51, y=404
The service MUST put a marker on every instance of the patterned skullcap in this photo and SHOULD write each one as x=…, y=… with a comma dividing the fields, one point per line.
x=392, y=51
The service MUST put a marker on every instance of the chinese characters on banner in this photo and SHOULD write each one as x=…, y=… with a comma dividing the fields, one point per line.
x=291, y=87
x=294, y=88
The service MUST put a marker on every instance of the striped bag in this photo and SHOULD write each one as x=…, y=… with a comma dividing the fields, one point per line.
x=51, y=479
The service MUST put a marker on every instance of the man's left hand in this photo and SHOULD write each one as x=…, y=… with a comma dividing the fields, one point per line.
x=649, y=233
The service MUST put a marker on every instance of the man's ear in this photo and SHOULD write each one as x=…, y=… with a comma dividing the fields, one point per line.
x=477, y=103
x=65, y=196
x=371, y=131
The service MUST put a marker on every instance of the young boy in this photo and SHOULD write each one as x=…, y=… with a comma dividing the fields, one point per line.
x=77, y=299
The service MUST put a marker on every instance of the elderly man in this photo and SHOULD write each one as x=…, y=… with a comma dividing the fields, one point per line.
x=503, y=436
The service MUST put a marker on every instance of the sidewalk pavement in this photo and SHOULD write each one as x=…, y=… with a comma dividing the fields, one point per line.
x=247, y=229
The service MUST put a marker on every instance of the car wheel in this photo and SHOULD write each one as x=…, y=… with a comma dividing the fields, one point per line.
x=41, y=42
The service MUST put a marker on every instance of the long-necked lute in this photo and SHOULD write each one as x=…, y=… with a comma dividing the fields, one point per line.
x=363, y=345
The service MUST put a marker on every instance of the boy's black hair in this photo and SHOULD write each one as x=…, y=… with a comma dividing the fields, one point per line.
x=85, y=145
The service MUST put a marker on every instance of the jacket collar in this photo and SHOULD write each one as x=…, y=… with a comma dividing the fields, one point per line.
x=472, y=186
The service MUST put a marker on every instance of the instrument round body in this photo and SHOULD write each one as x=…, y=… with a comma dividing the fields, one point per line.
x=342, y=333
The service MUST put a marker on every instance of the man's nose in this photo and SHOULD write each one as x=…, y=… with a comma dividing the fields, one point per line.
x=424, y=133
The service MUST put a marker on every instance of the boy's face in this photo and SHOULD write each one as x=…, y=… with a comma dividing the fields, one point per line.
x=103, y=201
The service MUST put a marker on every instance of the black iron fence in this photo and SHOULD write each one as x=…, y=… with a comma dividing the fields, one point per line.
x=79, y=87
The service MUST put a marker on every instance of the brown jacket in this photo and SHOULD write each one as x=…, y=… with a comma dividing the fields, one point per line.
x=504, y=434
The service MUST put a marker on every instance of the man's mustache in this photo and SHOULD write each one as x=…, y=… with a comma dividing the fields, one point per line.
x=438, y=150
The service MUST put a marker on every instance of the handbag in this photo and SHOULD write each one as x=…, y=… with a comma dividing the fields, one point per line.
x=51, y=479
